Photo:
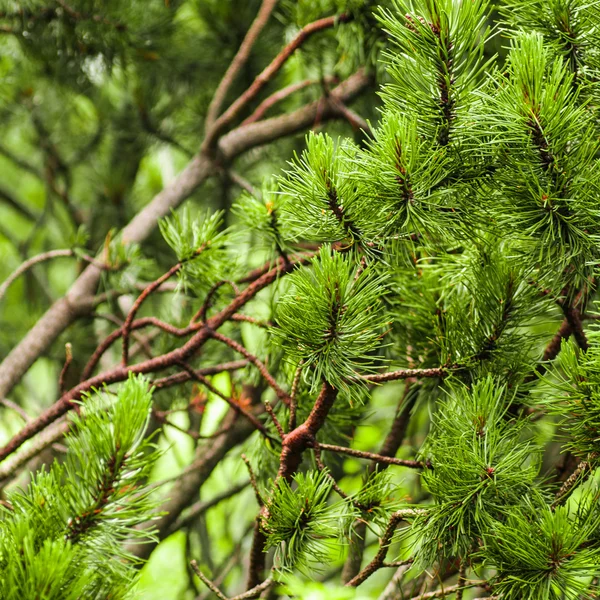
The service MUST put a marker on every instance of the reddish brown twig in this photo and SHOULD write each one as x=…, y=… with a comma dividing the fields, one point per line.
x=274, y=418
x=268, y=73
x=280, y=95
x=323, y=469
x=384, y=544
x=63, y=372
x=120, y=373
x=393, y=441
x=137, y=324
x=162, y=419
x=239, y=60
x=184, y=376
x=253, y=482
x=140, y=299
x=201, y=314
x=406, y=374
x=235, y=405
x=293, y=446
x=281, y=394
x=246, y=319
x=413, y=464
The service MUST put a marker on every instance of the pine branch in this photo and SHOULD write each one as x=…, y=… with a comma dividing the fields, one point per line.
x=281, y=394
x=388, y=460
x=384, y=544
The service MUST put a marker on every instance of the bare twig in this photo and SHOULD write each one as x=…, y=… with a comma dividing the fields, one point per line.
x=280, y=95
x=63, y=373
x=239, y=60
x=405, y=374
x=253, y=482
x=274, y=418
x=235, y=405
x=384, y=544
x=207, y=582
x=28, y=264
x=413, y=464
x=281, y=394
x=269, y=72
x=151, y=288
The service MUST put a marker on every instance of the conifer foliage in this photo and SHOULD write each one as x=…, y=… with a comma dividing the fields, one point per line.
x=452, y=247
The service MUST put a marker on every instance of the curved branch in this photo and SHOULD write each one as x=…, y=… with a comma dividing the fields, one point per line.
x=79, y=299
x=239, y=60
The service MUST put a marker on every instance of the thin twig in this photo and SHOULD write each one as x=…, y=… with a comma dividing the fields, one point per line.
x=280, y=95
x=140, y=299
x=253, y=482
x=274, y=418
x=384, y=544
x=31, y=262
x=268, y=73
x=413, y=464
x=235, y=405
x=207, y=582
x=406, y=374
x=63, y=372
x=281, y=394
x=239, y=60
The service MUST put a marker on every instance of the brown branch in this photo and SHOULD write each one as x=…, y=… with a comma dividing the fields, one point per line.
x=573, y=317
x=237, y=406
x=201, y=314
x=274, y=418
x=63, y=372
x=253, y=482
x=384, y=544
x=183, y=376
x=207, y=582
x=120, y=373
x=47, y=438
x=390, y=446
x=135, y=325
x=280, y=95
x=267, y=74
x=246, y=319
x=239, y=60
x=79, y=299
x=413, y=464
x=281, y=394
x=208, y=455
x=323, y=469
x=293, y=446
x=31, y=262
x=199, y=508
x=441, y=593
x=144, y=295
x=406, y=374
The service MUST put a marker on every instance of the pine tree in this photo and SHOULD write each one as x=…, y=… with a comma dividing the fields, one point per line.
x=454, y=248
